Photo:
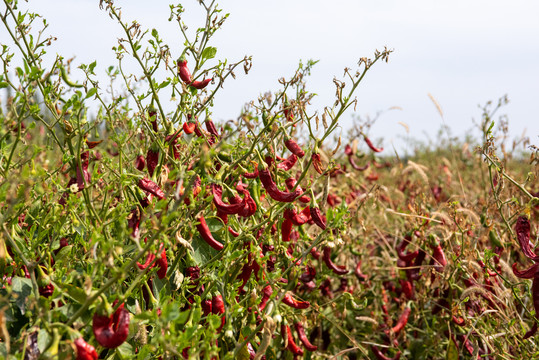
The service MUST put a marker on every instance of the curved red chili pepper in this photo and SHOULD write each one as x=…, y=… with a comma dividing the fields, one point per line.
x=294, y=148
x=273, y=191
x=303, y=337
x=407, y=287
x=291, y=345
x=111, y=332
x=438, y=256
x=250, y=205
x=315, y=253
x=85, y=351
x=339, y=270
x=371, y=146
x=317, y=163
x=162, y=263
x=151, y=187
x=296, y=304
x=221, y=206
x=288, y=163
x=266, y=294
x=356, y=166
x=359, y=274
x=403, y=319
x=318, y=218
x=205, y=233
x=197, y=84
x=183, y=70
x=297, y=219
x=210, y=126
x=290, y=183
x=308, y=275
x=381, y=356
x=233, y=232
x=529, y=273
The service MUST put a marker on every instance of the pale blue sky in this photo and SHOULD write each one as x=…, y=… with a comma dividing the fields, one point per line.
x=462, y=52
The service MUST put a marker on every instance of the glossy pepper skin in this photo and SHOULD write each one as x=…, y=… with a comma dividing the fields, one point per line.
x=303, y=337
x=201, y=84
x=151, y=187
x=111, y=331
x=85, y=351
x=273, y=191
x=205, y=233
x=183, y=70
x=291, y=344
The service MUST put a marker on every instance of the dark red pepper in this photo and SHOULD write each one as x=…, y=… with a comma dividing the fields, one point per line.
x=273, y=190
x=288, y=163
x=140, y=163
x=381, y=356
x=303, y=337
x=205, y=233
x=371, y=146
x=152, y=159
x=183, y=70
x=221, y=206
x=294, y=148
x=197, y=84
x=296, y=304
x=339, y=270
x=151, y=187
x=111, y=331
x=317, y=163
x=291, y=345
x=290, y=183
x=266, y=294
x=218, y=307
x=522, y=228
x=85, y=351
x=318, y=218
x=403, y=319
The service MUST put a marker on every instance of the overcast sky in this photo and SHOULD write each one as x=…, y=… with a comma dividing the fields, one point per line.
x=462, y=52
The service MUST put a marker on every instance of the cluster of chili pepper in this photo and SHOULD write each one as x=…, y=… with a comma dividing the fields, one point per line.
x=185, y=75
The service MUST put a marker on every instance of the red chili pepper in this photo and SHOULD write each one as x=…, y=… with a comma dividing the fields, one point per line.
x=93, y=144
x=197, y=84
x=286, y=229
x=407, y=287
x=315, y=253
x=303, y=337
x=359, y=274
x=291, y=345
x=356, y=166
x=273, y=190
x=140, y=163
x=151, y=187
x=371, y=146
x=522, y=228
x=266, y=294
x=210, y=126
x=406, y=257
x=218, y=307
x=205, y=233
x=206, y=306
x=317, y=163
x=84, y=177
x=85, y=351
x=183, y=70
x=381, y=356
x=111, y=331
x=318, y=218
x=189, y=127
x=288, y=163
x=221, y=206
x=290, y=183
x=294, y=148
x=438, y=256
x=308, y=275
x=339, y=270
x=252, y=175
x=296, y=304
x=152, y=159
x=297, y=219
x=403, y=319
x=162, y=263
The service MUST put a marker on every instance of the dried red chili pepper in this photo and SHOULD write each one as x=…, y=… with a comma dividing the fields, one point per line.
x=403, y=319
x=318, y=218
x=210, y=126
x=111, y=331
x=206, y=307
x=218, y=308
x=296, y=304
x=359, y=274
x=85, y=351
x=371, y=146
x=339, y=270
x=221, y=206
x=205, y=233
x=290, y=183
x=273, y=190
x=266, y=294
x=438, y=256
x=291, y=345
x=381, y=356
x=93, y=144
x=288, y=163
x=294, y=148
x=303, y=337
x=152, y=113
x=522, y=228
x=183, y=70
x=140, y=163
x=152, y=159
x=356, y=166
x=317, y=163
x=201, y=84
x=286, y=229
x=151, y=187
x=252, y=175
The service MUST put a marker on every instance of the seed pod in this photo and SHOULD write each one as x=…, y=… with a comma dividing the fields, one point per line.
x=317, y=163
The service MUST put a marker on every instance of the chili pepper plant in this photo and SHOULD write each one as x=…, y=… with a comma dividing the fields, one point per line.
x=137, y=224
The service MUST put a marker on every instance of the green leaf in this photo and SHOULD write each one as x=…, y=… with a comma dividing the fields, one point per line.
x=208, y=53
x=452, y=351
x=22, y=288
x=91, y=92
x=3, y=85
x=125, y=351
